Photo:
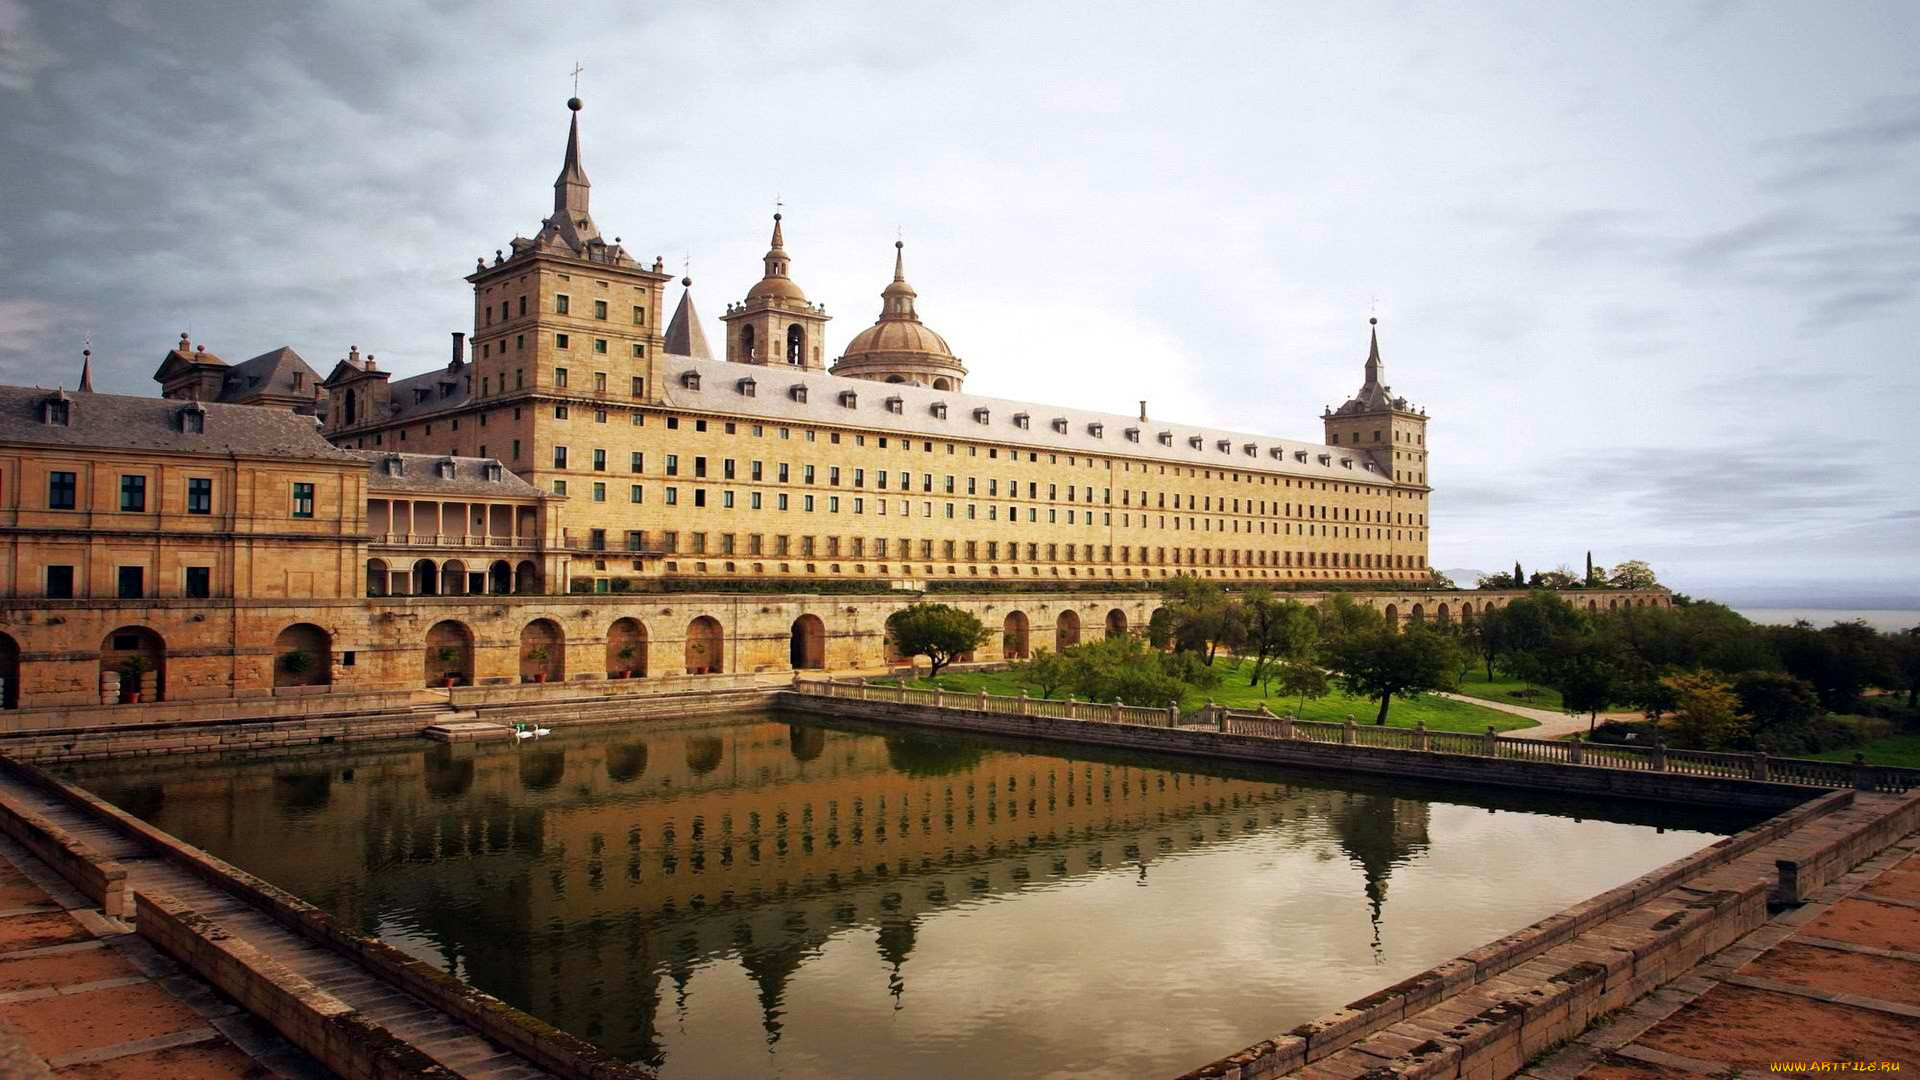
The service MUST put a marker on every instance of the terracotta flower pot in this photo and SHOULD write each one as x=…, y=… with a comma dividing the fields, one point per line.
x=133, y=697
x=539, y=676
x=447, y=680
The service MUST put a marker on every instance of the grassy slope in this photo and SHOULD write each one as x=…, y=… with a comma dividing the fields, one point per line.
x=1438, y=713
x=1899, y=750
x=1506, y=688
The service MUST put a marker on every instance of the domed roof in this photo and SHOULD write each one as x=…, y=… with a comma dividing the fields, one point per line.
x=776, y=288
x=897, y=336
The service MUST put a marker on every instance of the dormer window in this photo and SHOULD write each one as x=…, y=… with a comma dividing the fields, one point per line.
x=299, y=380
x=1021, y=420
x=1279, y=453
x=896, y=405
x=396, y=465
x=690, y=380
x=494, y=471
x=193, y=420
x=1367, y=465
x=1326, y=459
x=1346, y=463
x=420, y=394
x=849, y=399
x=746, y=387
x=56, y=411
x=1225, y=446
x=1251, y=450
x=1196, y=441
x=981, y=416
x=1300, y=456
x=1166, y=438
x=1133, y=434
x=938, y=409
x=1098, y=431
x=445, y=469
x=798, y=392
x=1060, y=424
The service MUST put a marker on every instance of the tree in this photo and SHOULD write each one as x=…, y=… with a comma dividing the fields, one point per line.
x=1784, y=711
x=1301, y=679
x=938, y=632
x=1840, y=661
x=1594, y=578
x=1632, y=574
x=1274, y=630
x=1588, y=669
x=1379, y=664
x=1500, y=580
x=1490, y=636
x=1127, y=670
x=1438, y=579
x=1519, y=579
x=1903, y=663
x=1705, y=713
x=1202, y=617
x=1045, y=671
x=1339, y=616
x=1531, y=625
x=1557, y=578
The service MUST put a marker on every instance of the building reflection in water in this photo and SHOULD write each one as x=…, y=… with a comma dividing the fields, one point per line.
x=589, y=876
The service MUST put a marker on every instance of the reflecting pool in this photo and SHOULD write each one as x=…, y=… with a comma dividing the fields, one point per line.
x=759, y=897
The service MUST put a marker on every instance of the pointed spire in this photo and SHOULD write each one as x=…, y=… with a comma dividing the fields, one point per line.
x=897, y=298
x=570, y=188
x=900, y=261
x=86, y=371
x=1374, y=365
x=684, y=336
x=779, y=244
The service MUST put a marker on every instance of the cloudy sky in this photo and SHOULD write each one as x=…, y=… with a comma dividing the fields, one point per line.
x=1652, y=268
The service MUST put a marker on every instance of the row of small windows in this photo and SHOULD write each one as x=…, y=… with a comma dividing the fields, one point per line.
x=60, y=582
x=562, y=305
x=63, y=494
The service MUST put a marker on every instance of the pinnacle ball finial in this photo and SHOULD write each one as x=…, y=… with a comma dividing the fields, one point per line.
x=899, y=244
x=686, y=283
x=776, y=215
x=576, y=104
x=1373, y=322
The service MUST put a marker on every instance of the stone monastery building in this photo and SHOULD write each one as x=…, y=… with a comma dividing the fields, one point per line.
x=588, y=491
x=776, y=460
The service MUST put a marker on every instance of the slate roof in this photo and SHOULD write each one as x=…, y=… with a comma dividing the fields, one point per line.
x=446, y=388
x=421, y=474
x=1085, y=432
x=271, y=374
x=121, y=422
x=684, y=336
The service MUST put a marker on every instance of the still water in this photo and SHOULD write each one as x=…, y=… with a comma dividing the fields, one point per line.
x=762, y=898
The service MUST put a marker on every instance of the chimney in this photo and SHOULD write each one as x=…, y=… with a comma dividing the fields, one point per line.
x=1143, y=412
x=459, y=348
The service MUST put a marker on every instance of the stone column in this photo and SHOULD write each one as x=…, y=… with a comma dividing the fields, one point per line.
x=1347, y=732
x=1420, y=740
x=1574, y=749
x=1489, y=747
x=1173, y=716
x=1659, y=756
x=1761, y=769
x=983, y=701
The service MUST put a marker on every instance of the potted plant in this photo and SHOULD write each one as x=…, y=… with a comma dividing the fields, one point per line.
x=131, y=669
x=296, y=661
x=538, y=654
x=626, y=654
x=447, y=654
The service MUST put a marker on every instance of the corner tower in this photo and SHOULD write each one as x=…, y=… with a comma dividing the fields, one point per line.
x=775, y=324
x=1385, y=426
x=566, y=312
x=899, y=348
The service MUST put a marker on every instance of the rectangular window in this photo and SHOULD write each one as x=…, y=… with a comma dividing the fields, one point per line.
x=560, y=341
x=59, y=582
x=132, y=582
x=133, y=493
x=600, y=346
x=599, y=493
x=199, y=495
x=60, y=490
x=559, y=457
x=303, y=500
x=639, y=315
x=673, y=496
x=639, y=386
x=599, y=309
x=599, y=461
x=560, y=376
x=199, y=583
x=634, y=496
x=639, y=461
x=562, y=304
x=673, y=464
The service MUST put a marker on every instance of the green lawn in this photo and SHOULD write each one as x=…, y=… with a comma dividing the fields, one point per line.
x=1438, y=713
x=1508, y=689
x=1897, y=750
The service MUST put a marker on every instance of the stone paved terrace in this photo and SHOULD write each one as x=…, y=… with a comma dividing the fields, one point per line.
x=376, y=1012
x=1836, y=980
x=82, y=997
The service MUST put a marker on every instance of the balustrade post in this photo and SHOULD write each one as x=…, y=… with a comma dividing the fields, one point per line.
x=1487, y=745
x=1419, y=734
x=1025, y=704
x=983, y=701
x=939, y=698
x=900, y=692
x=1173, y=717
x=1113, y=712
x=829, y=686
x=1659, y=756
x=1574, y=748
x=1862, y=773
x=1347, y=730
x=1286, y=726
x=1761, y=769
x=1211, y=715
x=1072, y=713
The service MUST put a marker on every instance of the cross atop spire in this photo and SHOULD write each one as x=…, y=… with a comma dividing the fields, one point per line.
x=1374, y=366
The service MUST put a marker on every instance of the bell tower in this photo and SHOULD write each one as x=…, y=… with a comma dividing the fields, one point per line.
x=776, y=325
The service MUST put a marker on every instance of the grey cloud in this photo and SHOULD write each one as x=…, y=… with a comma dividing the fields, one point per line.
x=1874, y=143
x=24, y=54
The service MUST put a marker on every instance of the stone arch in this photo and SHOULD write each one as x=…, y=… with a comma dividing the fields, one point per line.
x=1613, y=604
x=543, y=652
x=1593, y=605
x=378, y=581
x=746, y=341
x=943, y=384
x=1418, y=616
x=627, y=649
x=1393, y=617
x=526, y=577
x=453, y=578
x=706, y=646
x=895, y=379
x=1466, y=613
x=9, y=672
x=807, y=644
x=796, y=345
x=426, y=578
x=500, y=577
x=139, y=656
x=449, y=654
x=1116, y=623
x=1066, y=630
x=1014, y=632
x=1442, y=616
x=303, y=656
